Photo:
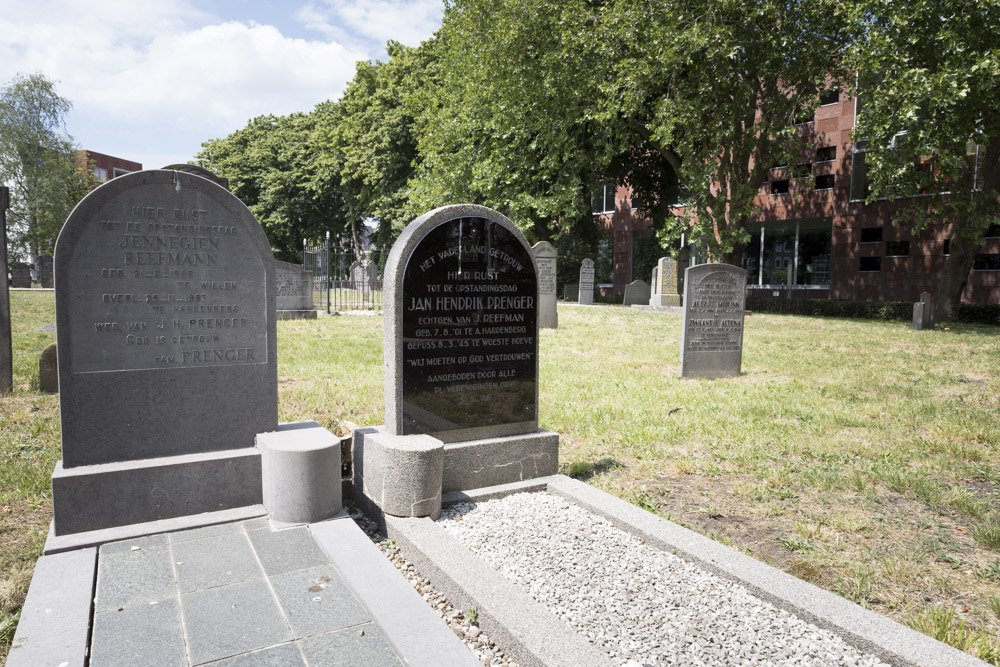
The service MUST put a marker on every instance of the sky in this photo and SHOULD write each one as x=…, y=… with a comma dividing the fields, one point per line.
x=150, y=80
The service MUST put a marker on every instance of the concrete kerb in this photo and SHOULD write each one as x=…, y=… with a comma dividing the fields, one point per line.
x=440, y=557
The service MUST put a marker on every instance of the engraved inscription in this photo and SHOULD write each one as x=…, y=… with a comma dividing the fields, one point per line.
x=715, y=314
x=546, y=275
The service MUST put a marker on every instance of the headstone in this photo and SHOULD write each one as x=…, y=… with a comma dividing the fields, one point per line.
x=6, y=346
x=712, y=330
x=545, y=260
x=48, y=370
x=359, y=277
x=637, y=293
x=371, y=273
x=923, y=312
x=586, y=296
x=571, y=291
x=666, y=284
x=293, y=291
x=20, y=275
x=461, y=360
x=165, y=304
x=44, y=266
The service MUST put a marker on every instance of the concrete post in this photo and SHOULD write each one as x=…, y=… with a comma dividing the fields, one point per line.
x=6, y=349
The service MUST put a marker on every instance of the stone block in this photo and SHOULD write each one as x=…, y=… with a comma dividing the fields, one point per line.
x=480, y=463
x=400, y=474
x=300, y=471
x=48, y=370
x=118, y=494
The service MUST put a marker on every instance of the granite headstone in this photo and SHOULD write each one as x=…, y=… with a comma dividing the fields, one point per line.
x=636, y=293
x=545, y=261
x=44, y=266
x=20, y=275
x=586, y=295
x=293, y=287
x=712, y=329
x=923, y=312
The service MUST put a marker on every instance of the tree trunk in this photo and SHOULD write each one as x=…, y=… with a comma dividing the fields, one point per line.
x=954, y=277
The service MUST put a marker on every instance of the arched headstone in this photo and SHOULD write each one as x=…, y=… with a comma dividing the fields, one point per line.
x=586, y=295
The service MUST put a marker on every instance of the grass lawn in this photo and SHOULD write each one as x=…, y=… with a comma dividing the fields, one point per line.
x=861, y=456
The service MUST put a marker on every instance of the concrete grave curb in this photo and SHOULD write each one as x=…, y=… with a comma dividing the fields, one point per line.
x=467, y=580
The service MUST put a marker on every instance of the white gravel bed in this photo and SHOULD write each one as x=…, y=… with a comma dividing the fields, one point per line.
x=641, y=605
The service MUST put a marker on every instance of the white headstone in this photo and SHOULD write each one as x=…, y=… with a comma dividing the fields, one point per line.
x=545, y=260
x=587, y=282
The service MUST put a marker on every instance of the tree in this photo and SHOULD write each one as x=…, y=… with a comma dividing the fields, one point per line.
x=930, y=78
x=36, y=162
x=544, y=97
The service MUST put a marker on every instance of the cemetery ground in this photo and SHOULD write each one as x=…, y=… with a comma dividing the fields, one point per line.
x=861, y=456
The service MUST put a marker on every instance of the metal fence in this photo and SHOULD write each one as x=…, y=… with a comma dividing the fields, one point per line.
x=355, y=283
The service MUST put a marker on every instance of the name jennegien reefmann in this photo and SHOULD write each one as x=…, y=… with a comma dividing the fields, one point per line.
x=180, y=250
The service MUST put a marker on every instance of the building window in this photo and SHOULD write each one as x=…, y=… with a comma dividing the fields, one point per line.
x=947, y=247
x=987, y=262
x=803, y=170
x=870, y=264
x=602, y=199
x=825, y=182
x=897, y=248
x=790, y=253
x=829, y=97
x=804, y=116
x=871, y=235
x=101, y=173
x=993, y=231
x=118, y=171
x=779, y=187
x=859, y=173
x=826, y=154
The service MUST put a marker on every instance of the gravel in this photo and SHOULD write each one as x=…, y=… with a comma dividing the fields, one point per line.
x=641, y=605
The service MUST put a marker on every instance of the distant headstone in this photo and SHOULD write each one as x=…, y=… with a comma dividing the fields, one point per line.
x=637, y=293
x=712, y=330
x=6, y=346
x=294, y=291
x=461, y=343
x=545, y=260
x=666, y=283
x=371, y=273
x=48, y=370
x=923, y=312
x=359, y=276
x=165, y=305
x=20, y=274
x=571, y=291
x=44, y=266
x=586, y=297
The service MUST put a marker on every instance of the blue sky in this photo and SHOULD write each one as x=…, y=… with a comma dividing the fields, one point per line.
x=150, y=80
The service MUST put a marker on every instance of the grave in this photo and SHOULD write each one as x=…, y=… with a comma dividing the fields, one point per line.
x=712, y=328
x=167, y=353
x=20, y=275
x=461, y=360
x=48, y=370
x=636, y=293
x=666, y=284
x=571, y=291
x=586, y=294
x=293, y=291
x=44, y=267
x=545, y=259
x=6, y=345
x=923, y=312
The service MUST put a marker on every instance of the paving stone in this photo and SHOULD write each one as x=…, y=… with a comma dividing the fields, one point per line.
x=283, y=655
x=287, y=550
x=206, y=531
x=146, y=634
x=133, y=572
x=215, y=561
x=360, y=645
x=260, y=523
x=317, y=600
x=229, y=620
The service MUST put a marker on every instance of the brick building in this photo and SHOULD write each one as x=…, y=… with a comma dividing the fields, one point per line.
x=813, y=236
x=105, y=167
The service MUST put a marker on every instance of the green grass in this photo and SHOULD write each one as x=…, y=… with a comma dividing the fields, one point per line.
x=862, y=456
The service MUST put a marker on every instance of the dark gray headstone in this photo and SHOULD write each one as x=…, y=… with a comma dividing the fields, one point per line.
x=545, y=261
x=20, y=275
x=636, y=293
x=44, y=267
x=461, y=334
x=571, y=291
x=586, y=295
x=165, y=321
x=712, y=331
x=923, y=312
x=294, y=289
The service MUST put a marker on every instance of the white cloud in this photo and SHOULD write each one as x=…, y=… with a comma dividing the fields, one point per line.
x=406, y=21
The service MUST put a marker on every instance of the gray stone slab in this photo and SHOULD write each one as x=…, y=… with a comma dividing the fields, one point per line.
x=283, y=655
x=409, y=624
x=286, y=550
x=586, y=291
x=401, y=474
x=636, y=293
x=134, y=572
x=480, y=463
x=526, y=630
x=293, y=287
x=260, y=523
x=546, y=257
x=363, y=645
x=205, y=531
x=215, y=561
x=712, y=328
x=55, y=618
x=225, y=621
x=317, y=600
x=109, y=495
x=868, y=631
x=146, y=634
x=60, y=543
